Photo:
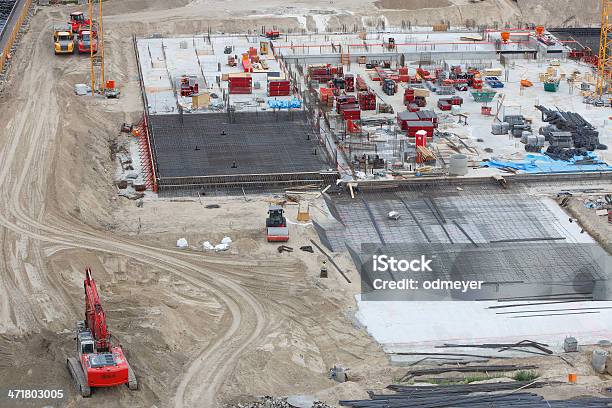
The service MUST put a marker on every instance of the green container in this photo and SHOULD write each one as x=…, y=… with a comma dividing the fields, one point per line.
x=551, y=86
x=483, y=96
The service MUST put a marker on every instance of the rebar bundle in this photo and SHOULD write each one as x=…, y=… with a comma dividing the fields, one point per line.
x=493, y=395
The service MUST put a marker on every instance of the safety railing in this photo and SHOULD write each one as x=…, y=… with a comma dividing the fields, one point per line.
x=5, y=53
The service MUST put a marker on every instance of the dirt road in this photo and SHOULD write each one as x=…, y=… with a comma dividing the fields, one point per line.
x=199, y=329
x=28, y=148
x=192, y=324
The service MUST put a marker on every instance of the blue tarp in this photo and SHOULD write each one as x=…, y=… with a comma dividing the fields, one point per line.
x=276, y=104
x=539, y=163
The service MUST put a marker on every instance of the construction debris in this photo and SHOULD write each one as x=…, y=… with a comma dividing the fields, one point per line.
x=277, y=402
x=471, y=396
x=284, y=248
x=504, y=346
x=467, y=369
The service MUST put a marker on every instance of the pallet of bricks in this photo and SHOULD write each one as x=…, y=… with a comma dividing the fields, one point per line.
x=240, y=83
x=279, y=87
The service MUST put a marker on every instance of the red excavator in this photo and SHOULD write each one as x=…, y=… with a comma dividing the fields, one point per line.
x=99, y=362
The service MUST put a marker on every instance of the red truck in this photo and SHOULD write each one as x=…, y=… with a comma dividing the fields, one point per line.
x=87, y=39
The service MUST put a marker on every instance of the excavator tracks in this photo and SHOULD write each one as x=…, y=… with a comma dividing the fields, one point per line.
x=132, y=381
x=77, y=375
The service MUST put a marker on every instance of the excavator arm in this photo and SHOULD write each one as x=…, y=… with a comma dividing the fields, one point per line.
x=95, y=318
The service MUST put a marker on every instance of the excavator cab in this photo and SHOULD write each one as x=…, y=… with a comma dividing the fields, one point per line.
x=87, y=347
x=85, y=341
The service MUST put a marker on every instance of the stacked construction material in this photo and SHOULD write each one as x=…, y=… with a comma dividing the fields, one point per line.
x=584, y=135
x=361, y=84
x=323, y=73
x=279, y=87
x=420, y=120
x=367, y=101
x=389, y=86
x=416, y=95
x=413, y=127
x=345, y=100
x=404, y=117
x=349, y=83
x=408, y=96
x=350, y=111
x=444, y=105
x=501, y=394
x=240, y=83
x=403, y=74
x=428, y=115
x=327, y=96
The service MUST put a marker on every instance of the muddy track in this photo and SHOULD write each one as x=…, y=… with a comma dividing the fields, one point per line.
x=29, y=141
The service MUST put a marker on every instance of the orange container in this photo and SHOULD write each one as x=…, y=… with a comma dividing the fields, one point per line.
x=505, y=36
x=110, y=84
x=572, y=378
x=539, y=30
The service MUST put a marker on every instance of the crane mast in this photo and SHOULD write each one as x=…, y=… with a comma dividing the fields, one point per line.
x=97, y=60
x=604, y=63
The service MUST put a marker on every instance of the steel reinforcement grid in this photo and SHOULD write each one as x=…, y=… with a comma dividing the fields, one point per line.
x=189, y=149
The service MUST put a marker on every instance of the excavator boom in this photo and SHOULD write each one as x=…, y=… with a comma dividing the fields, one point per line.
x=95, y=318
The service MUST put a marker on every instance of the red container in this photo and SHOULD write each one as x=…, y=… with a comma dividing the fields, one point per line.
x=444, y=104
x=413, y=127
x=403, y=118
x=456, y=100
x=408, y=96
x=351, y=114
x=344, y=100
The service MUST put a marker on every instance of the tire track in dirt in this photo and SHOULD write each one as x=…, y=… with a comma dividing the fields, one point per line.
x=24, y=165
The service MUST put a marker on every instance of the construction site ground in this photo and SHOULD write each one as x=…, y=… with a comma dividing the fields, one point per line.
x=199, y=328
